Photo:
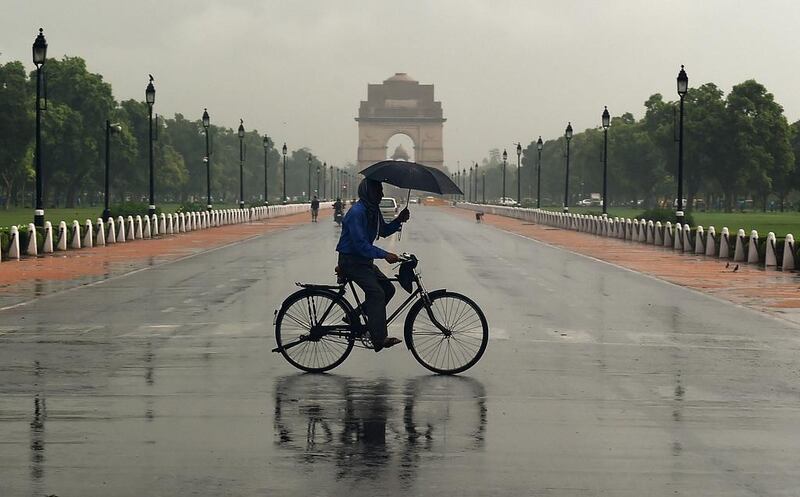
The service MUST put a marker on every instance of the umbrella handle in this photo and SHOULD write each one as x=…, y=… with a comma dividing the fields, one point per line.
x=408, y=198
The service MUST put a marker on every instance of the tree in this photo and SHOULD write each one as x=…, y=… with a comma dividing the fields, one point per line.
x=16, y=129
x=82, y=102
x=759, y=148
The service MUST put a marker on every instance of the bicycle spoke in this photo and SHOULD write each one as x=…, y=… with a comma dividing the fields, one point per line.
x=305, y=323
x=450, y=335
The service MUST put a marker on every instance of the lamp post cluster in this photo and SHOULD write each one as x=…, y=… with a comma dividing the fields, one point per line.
x=683, y=88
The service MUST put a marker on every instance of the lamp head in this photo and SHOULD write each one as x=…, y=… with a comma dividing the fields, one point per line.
x=206, y=119
x=241, y=128
x=568, y=131
x=539, y=143
x=505, y=155
x=606, y=118
x=284, y=149
x=519, y=149
x=683, y=82
x=150, y=92
x=40, y=49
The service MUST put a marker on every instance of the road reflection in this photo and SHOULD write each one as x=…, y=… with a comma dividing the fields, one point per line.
x=371, y=428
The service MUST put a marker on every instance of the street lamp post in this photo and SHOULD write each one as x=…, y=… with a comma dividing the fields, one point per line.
x=568, y=136
x=471, y=183
x=464, y=183
x=39, y=58
x=266, y=181
x=606, y=123
x=539, y=146
x=309, y=177
x=110, y=128
x=505, y=159
x=150, y=98
x=324, y=177
x=241, y=163
x=483, y=188
x=683, y=88
x=519, y=175
x=207, y=160
x=318, y=191
x=283, y=150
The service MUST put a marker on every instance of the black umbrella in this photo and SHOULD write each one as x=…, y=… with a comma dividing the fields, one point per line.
x=413, y=176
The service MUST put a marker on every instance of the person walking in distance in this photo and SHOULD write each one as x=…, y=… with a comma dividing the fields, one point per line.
x=314, y=209
x=361, y=226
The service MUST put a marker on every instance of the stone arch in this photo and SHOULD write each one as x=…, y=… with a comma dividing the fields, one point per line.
x=400, y=106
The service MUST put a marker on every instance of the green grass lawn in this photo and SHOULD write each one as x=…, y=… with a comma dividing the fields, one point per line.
x=20, y=216
x=780, y=223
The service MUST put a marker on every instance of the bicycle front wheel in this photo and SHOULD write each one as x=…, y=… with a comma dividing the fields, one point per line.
x=450, y=335
x=310, y=330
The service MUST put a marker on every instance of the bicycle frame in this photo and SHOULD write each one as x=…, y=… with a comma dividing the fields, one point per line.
x=359, y=328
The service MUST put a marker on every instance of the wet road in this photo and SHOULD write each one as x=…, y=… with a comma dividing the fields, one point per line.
x=597, y=381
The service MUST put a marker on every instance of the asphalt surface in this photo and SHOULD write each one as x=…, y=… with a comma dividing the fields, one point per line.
x=596, y=381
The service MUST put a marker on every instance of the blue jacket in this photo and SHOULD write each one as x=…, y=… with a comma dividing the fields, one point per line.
x=358, y=233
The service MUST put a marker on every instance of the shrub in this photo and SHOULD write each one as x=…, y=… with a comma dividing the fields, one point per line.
x=665, y=215
x=191, y=207
x=134, y=209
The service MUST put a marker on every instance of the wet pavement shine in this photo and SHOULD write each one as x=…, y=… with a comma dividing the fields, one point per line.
x=596, y=381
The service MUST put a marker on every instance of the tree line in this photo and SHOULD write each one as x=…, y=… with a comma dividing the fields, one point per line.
x=73, y=141
x=737, y=147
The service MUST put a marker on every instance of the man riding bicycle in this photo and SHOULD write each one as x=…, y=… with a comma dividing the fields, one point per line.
x=362, y=225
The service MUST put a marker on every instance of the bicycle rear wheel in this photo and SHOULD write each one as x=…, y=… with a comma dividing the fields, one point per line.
x=452, y=337
x=310, y=331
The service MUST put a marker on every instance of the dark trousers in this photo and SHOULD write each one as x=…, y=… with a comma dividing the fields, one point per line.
x=378, y=291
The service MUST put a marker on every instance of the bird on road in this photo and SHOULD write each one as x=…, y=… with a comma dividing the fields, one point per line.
x=735, y=268
x=727, y=265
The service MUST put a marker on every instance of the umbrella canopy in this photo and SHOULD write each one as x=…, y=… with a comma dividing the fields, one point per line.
x=413, y=176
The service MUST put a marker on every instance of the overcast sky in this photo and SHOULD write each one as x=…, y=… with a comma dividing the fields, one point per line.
x=505, y=71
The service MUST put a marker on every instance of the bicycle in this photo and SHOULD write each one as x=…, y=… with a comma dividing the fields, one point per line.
x=317, y=327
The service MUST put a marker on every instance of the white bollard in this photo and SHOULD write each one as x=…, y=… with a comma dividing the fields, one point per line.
x=650, y=238
x=120, y=230
x=154, y=225
x=738, y=252
x=170, y=225
x=752, y=249
x=139, y=227
x=47, y=247
x=76, y=235
x=788, y=253
x=725, y=244
x=183, y=223
x=101, y=233
x=770, y=257
x=131, y=230
x=175, y=223
x=699, y=247
x=678, y=237
x=162, y=226
x=668, y=234
x=33, y=246
x=687, y=238
x=643, y=231
x=13, y=249
x=61, y=243
x=88, y=241
x=111, y=231
x=711, y=242
x=146, y=231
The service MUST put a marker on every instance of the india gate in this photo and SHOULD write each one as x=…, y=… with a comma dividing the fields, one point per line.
x=400, y=105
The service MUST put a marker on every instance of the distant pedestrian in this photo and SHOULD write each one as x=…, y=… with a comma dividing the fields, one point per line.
x=314, y=209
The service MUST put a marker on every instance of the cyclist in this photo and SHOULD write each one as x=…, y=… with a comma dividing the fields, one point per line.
x=361, y=226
